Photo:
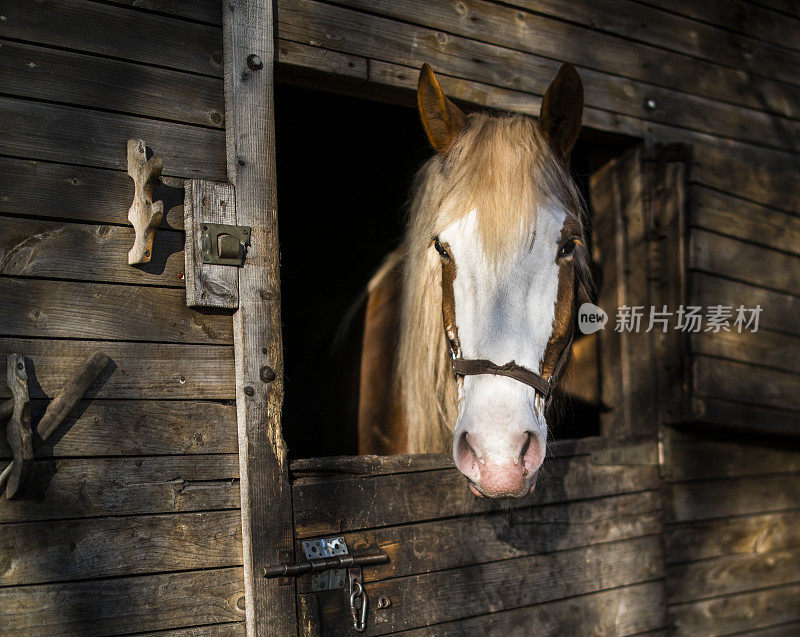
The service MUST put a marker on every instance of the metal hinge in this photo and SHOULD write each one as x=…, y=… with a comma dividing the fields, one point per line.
x=224, y=244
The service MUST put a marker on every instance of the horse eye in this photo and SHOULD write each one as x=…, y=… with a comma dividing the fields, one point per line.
x=568, y=249
x=440, y=249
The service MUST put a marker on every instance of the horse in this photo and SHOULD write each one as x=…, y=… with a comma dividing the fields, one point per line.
x=469, y=323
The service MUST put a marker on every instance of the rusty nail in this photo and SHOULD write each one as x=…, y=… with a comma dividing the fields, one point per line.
x=267, y=374
x=249, y=391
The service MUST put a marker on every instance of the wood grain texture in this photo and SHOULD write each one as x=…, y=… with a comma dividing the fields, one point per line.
x=742, y=219
x=137, y=370
x=335, y=506
x=140, y=428
x=139, y=37
x=697, y=457
x=746, y=418
x=732, y=574
x=739, y=16
x=500, y=586
x=717, y=254
x=67, y=550
x=745, y=611
x=690, y=501
x=86, y=252
x=61, y=309
x=779, y=310
x=428, y=546
x=227, y=629
x=126, y=604
x=768, y=349
x=98, y=487
x=208, y=285
x=640, y=68
x=39, y=131
x=250, y=139
x=77, y=79
x=747, y=536
x=622, y=611
x=63, y=192
x=730, y=380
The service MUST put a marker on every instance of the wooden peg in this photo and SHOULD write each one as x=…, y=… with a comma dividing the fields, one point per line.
x=145, y=214
x=18, y=429
x=58, y=409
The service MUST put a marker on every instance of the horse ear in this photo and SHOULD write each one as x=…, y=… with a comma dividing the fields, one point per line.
x=442, y=119
x=562, y=108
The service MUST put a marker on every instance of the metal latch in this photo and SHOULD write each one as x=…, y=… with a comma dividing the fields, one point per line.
x=326, y=563
x=225, y=244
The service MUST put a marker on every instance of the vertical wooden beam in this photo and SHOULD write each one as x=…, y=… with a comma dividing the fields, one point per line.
x=266, y=495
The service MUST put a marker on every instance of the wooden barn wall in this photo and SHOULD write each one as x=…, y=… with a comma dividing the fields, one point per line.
x=79, y=77
x=132, y=522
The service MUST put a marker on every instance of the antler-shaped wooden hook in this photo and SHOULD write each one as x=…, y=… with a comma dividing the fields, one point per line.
x=19, y=434
x=18, y=429
x=145, y=214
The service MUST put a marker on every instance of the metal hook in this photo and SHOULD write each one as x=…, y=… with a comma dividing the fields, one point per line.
x=357, y=592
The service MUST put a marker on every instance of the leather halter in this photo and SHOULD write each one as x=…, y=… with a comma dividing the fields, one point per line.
x=475, y=366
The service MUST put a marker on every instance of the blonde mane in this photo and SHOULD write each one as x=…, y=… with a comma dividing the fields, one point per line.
x=502, y=167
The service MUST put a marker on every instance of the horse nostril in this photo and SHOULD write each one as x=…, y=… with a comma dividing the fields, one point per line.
x=467, y=460
x=525, y=446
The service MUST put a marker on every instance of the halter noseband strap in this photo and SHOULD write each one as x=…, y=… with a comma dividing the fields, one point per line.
x=472, y=367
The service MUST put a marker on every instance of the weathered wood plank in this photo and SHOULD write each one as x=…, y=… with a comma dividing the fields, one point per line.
x=668, y=30
x=34, y=130
x=730, y=380
x=532, y=32
x=376, y=37
x=396, y=76
x=694, y=457
x=477, y=590
x=41, y=189
x=199, y=10
x=742, y=219
x=732, y=574
x=79, y=487
x=125, y=604
x=764, y=176
x=711, y=252
x=732, y=536
x=46, y=552
x=429, y=546
x=208, y=285
x=176, y=44
x=65, y=309
x=746, y=418
x=137, y=370
x=140, y=428
x=622, y=611
x=304, y=468
x=735, y=613
x=789, y=629
x=689, y=501
x=228, y=629
x=760, y=348
x=266, y=493
x=741, y=17
x=361, y=503
x=83, y=80
x=34, y=248
x=779, y=310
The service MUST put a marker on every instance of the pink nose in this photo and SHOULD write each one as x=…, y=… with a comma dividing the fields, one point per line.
x=493, y=477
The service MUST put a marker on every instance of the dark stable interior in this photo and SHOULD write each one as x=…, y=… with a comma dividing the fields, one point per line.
x=345, y=167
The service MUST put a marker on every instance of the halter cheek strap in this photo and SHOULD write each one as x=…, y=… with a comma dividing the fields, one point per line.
x=471, y=367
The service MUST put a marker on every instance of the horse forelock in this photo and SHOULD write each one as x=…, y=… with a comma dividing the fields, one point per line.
x=503, y=169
